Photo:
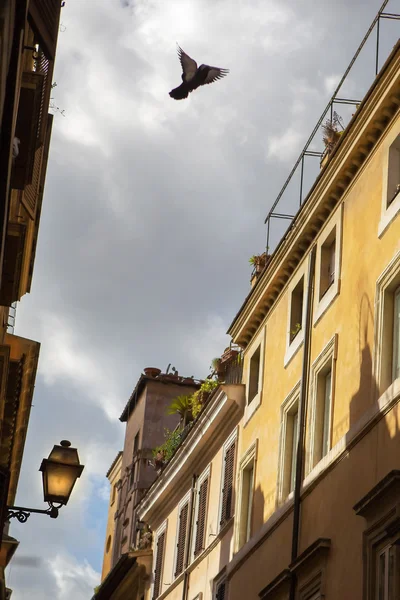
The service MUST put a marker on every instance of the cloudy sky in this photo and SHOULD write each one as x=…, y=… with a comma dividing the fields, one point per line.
x=151, y=212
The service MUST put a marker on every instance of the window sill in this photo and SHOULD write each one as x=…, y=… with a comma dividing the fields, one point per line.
x=326, y=300
x=293, y=347
x=389, y=215
x=252, y=407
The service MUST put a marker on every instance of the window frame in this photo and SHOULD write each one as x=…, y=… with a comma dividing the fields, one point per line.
x=323, y=301
x=204, y=475
x=185, y=500
x=386, y=287
x=389, y=209
x=250, y=457
x=233, y=438
x=160, y=531
x=327, y=358
x=252, y=406
x=293, y=344
x=285, y=457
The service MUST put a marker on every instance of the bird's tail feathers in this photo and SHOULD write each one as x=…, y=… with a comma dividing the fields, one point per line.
x=179, y=93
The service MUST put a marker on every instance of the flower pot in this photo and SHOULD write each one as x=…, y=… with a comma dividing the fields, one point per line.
x=229, y=354
x=152, y=372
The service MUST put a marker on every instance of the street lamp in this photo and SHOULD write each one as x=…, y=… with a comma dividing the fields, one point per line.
x=60, y=472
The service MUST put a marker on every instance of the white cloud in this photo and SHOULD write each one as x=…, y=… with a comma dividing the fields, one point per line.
x=286, y=146
x=63, y=358
x=74, y=580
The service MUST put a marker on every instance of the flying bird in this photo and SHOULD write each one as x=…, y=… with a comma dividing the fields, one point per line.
x=194, y=76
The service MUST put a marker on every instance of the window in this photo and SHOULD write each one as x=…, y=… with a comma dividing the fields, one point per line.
x=159, y=562
x=108, y=545
x=182, y=536
x=220, y=587
x=387, y=319
x=393, y=173
x=246, y=503
x=114, y=493
x=288, y=443
x=396, y=335
x=254, y=374
x=220, y=590
x=321, y=404
x=391, y=186
x=296, y=309
x=134, y=459
x=201, y=513
x=323, y=409
x=327, y=265
x=227, y=480
x=387, y=573
x=381, y=539
x=292, y=437
x=246, y=494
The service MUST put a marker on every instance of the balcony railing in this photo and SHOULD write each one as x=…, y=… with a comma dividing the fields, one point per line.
x=231, y=366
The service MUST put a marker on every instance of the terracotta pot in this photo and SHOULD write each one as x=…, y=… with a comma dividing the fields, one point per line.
x=152, y=371
x=228, y=355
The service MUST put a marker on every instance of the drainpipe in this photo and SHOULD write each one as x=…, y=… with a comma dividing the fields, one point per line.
x=302, y=417
x=189, y=540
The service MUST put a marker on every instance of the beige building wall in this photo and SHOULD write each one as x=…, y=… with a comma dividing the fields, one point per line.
x=114, y=477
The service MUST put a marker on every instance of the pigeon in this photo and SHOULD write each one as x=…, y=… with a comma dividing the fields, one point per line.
x=194, y=76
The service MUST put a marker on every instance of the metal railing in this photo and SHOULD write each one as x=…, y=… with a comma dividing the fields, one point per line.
x=307, y=150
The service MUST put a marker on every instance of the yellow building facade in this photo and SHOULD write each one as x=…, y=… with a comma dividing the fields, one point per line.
x=114, y=477
x=287, y=484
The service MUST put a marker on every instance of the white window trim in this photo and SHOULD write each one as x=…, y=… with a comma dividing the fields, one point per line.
x=160, y=531
x=286, y=407
x=388, y=213
x=293, y=346
x=322, y=305
x=233, y=437
x=328, y=354
x=185, y=499
x=255, y=403
x=390, y=278
x=206, y=473
x=249, y=456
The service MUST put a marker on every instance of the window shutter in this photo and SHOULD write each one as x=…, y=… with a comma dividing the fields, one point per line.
x=26, y=128
x=180, y=553
x=227, y=490
x=159, y=565
x=201, y=517
x=220, y=593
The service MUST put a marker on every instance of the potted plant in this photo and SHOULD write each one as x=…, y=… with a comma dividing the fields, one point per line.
x=229, y=354
x=332, y=130
x=181, y=405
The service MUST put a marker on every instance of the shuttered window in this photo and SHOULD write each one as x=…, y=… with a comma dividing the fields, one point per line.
x=181, y=545
x=201, y=516
x=159, y=565
x=220, y=590
x=227, y=485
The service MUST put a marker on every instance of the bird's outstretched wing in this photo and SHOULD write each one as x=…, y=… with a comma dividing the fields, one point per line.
x=215, y=73
x=189, y=66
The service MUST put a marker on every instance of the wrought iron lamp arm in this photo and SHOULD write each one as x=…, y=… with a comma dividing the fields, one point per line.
x=22, y=514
